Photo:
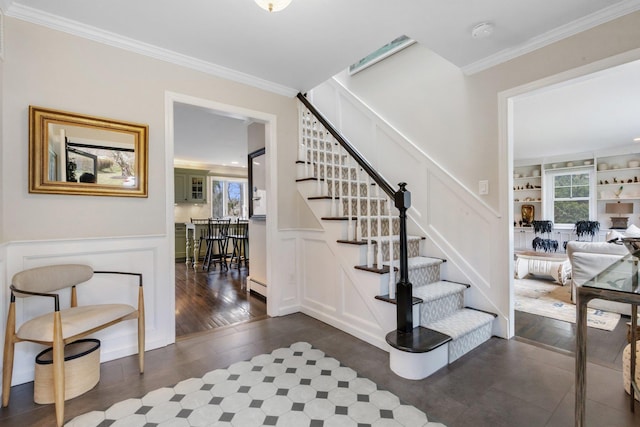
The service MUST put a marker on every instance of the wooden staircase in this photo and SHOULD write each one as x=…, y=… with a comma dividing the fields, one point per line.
x=354, y=211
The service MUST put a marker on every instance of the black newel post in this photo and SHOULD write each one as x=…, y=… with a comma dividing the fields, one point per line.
x=404, y=292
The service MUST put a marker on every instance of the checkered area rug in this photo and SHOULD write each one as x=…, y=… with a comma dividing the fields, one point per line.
x=296, y=386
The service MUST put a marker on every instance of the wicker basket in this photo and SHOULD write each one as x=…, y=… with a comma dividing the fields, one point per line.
x=81, y=370
x=626, y=368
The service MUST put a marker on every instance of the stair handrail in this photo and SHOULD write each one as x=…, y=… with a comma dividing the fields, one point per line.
x=384, y=185
x=402, y=199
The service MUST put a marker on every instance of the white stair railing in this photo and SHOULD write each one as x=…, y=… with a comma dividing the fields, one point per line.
x=352, y=193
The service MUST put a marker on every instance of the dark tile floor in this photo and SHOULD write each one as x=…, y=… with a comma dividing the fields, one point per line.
x=502, y=383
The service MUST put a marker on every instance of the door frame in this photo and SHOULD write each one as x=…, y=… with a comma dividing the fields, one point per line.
x=269, y=121
x=506, y=101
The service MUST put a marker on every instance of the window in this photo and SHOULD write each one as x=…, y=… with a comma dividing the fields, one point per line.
x=571, y=196
x=228, y=198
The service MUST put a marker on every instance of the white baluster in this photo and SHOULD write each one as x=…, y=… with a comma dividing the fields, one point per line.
x=332, y=163
x=350, y=231
x=308, y=153
x=316, y=140
x=369, y=228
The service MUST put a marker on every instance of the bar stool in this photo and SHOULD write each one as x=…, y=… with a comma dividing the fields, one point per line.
x=239, y=235
x=216, y=237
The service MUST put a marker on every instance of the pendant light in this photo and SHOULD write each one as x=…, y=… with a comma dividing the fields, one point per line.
x=273, y=5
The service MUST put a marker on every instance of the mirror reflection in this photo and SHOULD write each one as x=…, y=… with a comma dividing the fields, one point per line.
x=76, y=154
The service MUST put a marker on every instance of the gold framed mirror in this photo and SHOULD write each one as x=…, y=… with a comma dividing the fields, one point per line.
x=72, y=153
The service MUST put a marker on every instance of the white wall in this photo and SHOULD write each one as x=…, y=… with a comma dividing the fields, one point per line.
x=456, y=139
x=48, y=68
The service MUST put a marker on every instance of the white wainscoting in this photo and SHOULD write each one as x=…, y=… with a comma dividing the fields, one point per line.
x=459, y=226
x=146, y=254
x=333, y=291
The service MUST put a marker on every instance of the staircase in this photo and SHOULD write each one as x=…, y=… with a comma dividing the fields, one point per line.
x=359, y=208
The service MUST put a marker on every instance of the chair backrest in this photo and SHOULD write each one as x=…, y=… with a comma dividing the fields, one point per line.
x=239, y=229
x=51, y=278
x=218, y=228
x=199, y=220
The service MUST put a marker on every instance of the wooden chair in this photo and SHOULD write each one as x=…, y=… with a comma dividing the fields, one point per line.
x=63, y=326
x=217, y=243
x=239, y=236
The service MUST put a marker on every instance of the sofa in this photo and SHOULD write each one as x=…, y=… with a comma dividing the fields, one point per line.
x=590, y=258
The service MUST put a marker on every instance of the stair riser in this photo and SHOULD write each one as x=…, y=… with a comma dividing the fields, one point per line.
x=367, y=208
x=422, y=276
x=432, y=311
x=461, y=346
x=325, y=157
x=384, y=226
x=343, y=189
x=413, y=249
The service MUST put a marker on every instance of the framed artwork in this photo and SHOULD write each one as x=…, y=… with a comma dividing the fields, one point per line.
x=257, y=184
x=382, y=53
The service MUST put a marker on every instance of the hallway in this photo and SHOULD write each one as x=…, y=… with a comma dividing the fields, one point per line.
x=209, y=300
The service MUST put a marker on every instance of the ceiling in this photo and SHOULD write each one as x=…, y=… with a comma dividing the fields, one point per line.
x=586, y=115
x=312, y=40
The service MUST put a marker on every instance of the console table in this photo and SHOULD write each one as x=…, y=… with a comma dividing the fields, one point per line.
x=618, y=282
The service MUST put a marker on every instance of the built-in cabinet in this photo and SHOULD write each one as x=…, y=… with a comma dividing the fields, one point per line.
x=617, y=179
x=190, y=185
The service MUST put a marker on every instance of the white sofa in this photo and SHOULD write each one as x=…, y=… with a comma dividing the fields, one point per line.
x=590, y=258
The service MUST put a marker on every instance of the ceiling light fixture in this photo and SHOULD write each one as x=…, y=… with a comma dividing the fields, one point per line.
x=636, y=139
x=482, y=30
x=273, y=5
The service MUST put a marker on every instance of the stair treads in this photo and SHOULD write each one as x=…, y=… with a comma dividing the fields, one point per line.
x=420, y=262
x=461, y=322
x=394, y=238
x=437, y=290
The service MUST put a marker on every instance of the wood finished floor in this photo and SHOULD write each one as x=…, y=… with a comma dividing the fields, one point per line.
x=603, y=347
x=502, y=383
x=208, y=300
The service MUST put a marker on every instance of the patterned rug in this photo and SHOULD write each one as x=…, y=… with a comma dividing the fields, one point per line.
x=552, y=300
x=296, y=386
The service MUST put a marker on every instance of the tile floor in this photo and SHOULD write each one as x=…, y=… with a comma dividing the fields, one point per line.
x=501, y=383
x=294, y=386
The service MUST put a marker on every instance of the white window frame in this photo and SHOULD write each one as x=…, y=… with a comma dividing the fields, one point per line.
x=245, y=195
x=549, y=193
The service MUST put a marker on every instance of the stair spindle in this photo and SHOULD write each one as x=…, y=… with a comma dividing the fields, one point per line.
x=350, y=231
x=332, y=167
x=369, y=228
x=316, y=142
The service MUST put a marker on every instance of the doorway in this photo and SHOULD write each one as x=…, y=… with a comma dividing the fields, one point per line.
x=220, y=290
x=544, y=330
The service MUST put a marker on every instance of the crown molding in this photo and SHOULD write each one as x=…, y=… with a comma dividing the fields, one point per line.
x=79, y=29
x=579, y=25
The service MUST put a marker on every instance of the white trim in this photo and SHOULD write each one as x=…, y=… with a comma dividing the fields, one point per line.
x=505, y=139
x=270, y=121
x=579, y=25
x=79, y=29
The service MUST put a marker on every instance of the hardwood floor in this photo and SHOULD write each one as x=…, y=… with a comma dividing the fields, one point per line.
x=208, y=300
